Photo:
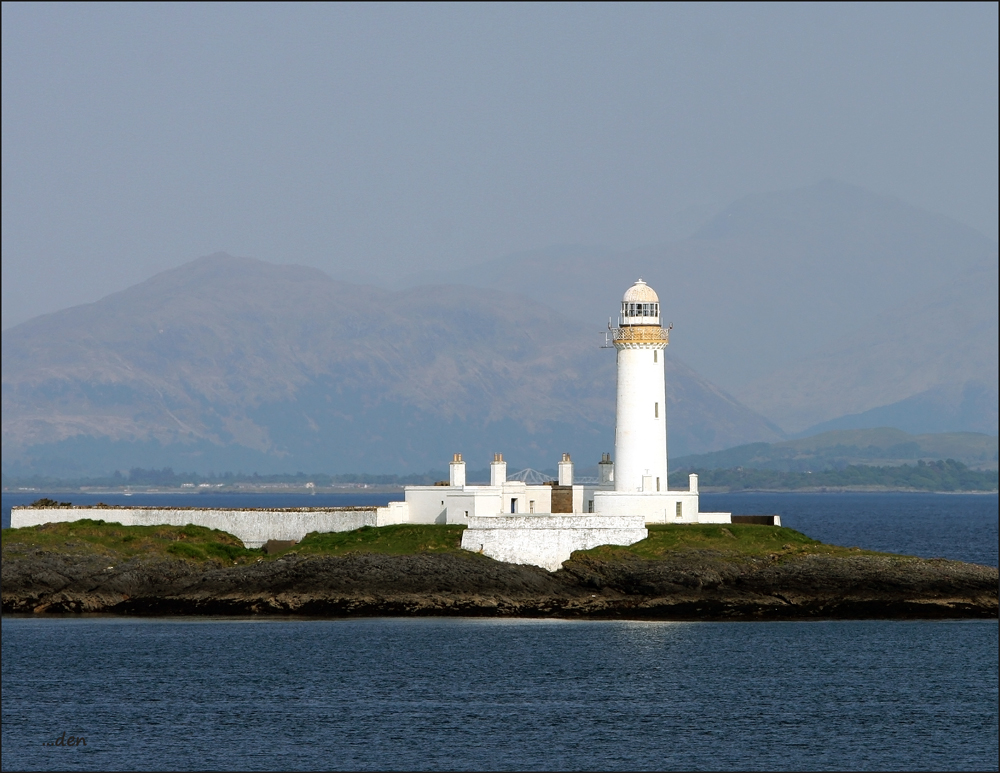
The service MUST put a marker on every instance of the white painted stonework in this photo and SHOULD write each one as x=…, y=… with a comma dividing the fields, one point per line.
x=252, y=527
x=548, y=540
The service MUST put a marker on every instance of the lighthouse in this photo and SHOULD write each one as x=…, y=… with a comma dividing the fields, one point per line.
x=641, y=408
x=543, y=522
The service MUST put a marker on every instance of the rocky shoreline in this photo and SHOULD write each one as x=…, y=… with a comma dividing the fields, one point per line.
x=688, y=585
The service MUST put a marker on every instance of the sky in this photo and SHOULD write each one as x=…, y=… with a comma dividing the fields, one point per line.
x=377, y=140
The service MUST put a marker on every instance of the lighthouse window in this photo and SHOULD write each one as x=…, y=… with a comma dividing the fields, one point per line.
x=654, y=355
x=656, y=410
x=657, y=483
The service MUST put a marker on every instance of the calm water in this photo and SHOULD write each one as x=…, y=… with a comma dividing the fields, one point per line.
x=479, y=694
x=488, y=695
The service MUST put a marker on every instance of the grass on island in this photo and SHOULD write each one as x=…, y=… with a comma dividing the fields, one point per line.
x=399, y=540
x=95, y=537
x=198, y=543
x=740, y=539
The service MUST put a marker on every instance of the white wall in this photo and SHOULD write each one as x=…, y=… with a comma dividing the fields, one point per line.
x=656, y=508
x=715, y=518
x=474, y=500
x=427, y=503
x=512, y=489
x=541, y=496
x=448, y=504
x=252, y=527
x=547, y=540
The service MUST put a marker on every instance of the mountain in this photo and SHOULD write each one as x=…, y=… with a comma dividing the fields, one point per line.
x=836, y=449
x=929, y=365
x=784, y=292
x=232, y=363
x=827, y=307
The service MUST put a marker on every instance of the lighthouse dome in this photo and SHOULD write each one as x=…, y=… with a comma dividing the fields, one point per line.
x=640, y=306
x=640, y=292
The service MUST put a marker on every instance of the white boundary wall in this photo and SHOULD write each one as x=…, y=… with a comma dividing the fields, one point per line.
x=252, y=527
x=548, y=540
x=656, y=508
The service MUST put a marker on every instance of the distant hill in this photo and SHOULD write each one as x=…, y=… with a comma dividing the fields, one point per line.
x=837, y=449
x=929, y=365
x=946, y=475
x=809, y=305
x=822, y=308
x=235, y=364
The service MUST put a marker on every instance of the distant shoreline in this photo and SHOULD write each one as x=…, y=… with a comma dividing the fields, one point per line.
x=386, y=489
x=843, y=490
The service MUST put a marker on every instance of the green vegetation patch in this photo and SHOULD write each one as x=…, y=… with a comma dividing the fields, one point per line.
x=738, y=539
x=95, y=537
x=198, y=543
x=402, y=539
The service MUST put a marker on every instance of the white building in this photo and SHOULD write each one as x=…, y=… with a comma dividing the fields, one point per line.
x=542, y=524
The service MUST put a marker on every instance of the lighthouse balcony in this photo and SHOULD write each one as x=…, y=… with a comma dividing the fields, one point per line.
x=641, y=334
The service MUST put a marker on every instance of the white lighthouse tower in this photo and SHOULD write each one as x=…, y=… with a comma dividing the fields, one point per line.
x=641, y=413
x=639, y=469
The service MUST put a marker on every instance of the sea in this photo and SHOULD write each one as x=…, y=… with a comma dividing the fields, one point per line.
x=475, y=694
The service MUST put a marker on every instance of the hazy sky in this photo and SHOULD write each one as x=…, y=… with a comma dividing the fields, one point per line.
x=373, y=140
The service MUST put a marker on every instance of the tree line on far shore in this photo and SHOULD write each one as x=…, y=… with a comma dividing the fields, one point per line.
x=944, y=475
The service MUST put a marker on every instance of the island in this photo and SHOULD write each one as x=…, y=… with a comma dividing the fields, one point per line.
x=679, y=572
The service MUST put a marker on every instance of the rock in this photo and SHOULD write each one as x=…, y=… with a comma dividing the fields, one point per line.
x=688, y=585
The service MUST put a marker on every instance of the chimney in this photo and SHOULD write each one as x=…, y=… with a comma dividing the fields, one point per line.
x=607, y=470
x=498, y=471
x=693, y=483
x=566, y=471
x=457, y=477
